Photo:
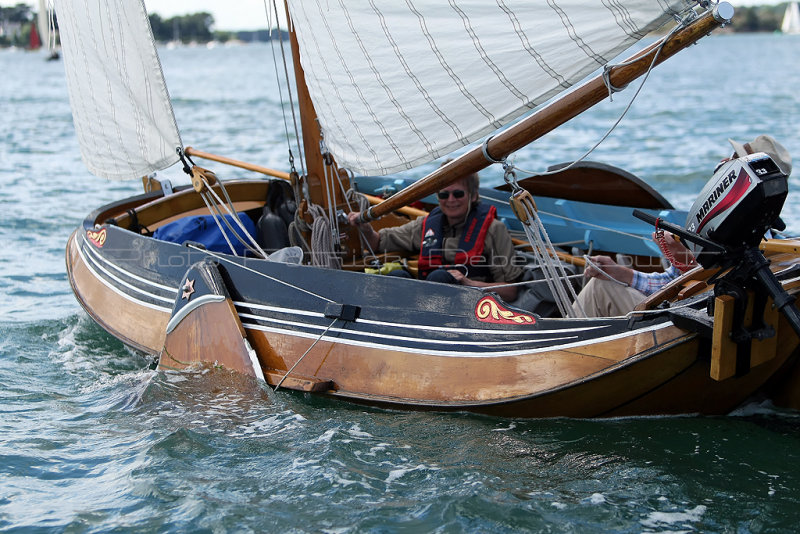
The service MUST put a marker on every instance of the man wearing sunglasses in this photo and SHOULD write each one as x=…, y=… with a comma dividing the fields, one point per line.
x=459, y=242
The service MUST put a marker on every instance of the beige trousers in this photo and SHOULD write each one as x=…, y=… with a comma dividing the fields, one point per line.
x=604, y=298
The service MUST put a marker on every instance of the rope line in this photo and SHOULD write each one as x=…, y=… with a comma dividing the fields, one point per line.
x=587, y=223
x=599, y=269
x=259, y=273
x=211, y=210
x=612, y=89
x=255, y=249
x=305, y=353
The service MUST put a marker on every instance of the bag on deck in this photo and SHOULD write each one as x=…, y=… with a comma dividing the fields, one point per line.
x=204, y=230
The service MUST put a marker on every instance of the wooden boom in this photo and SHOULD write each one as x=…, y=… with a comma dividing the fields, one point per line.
x=555, y=114
x=189, y=151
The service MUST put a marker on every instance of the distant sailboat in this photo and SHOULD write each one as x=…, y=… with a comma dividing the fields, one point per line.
x=791, y=19
x=43, y=34
x=35, y=42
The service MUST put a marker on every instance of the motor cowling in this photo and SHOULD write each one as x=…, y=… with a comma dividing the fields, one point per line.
x=737, y=206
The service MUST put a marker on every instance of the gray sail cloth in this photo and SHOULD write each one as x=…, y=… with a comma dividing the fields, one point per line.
x=768, y=145
x=399, y=84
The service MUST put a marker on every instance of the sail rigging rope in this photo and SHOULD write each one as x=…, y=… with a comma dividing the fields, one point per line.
x=599, y=269
x=352, y=196
x=51, y=23
x=526, y=282
x=218, y=216
x=541, y=246
x=328, y=171
x=259, y=273
x=231, y=209
x=286, y=80
x=212, y=211
x=586, y=223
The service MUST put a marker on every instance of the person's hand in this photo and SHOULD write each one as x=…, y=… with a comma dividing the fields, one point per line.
x=604, y=267
x=680, y=256
x=365, y=228
x=598, y=264
x=354, y=218
x=458, y=275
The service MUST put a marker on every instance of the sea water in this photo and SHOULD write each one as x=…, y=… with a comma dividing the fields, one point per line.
x=91, y=439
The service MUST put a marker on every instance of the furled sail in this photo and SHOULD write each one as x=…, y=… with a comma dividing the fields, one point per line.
x=120, y=105
x=399, y=84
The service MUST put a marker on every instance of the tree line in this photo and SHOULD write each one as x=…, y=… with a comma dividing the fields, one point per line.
x=16, y=24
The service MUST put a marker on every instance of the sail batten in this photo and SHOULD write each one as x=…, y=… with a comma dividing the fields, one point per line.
x=399, y=84
x=120, y=105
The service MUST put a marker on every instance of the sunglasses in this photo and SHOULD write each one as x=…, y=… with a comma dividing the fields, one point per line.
x=457, y=193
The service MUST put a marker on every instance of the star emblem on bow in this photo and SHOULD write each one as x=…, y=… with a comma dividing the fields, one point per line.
x=188, y=289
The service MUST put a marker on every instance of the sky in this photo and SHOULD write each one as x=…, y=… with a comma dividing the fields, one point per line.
x=251, y=14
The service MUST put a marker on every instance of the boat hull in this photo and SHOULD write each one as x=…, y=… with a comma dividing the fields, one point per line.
x=412, y=344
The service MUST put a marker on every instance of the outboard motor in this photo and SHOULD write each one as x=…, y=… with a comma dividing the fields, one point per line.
x=738, y=205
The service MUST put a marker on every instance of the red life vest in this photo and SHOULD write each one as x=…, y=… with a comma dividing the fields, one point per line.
x=470, y=246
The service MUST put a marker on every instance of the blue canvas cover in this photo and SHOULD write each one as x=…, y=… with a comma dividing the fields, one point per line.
x=202, y=229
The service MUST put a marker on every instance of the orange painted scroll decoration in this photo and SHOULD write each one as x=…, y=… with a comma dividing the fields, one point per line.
x=488, y=310
x=98, y=238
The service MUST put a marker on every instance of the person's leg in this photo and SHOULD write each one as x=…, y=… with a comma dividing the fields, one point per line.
x=441, y=276
x=604, y=298
x=399, y=273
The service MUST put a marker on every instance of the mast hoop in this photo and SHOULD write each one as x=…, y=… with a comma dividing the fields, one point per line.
x=485, y=150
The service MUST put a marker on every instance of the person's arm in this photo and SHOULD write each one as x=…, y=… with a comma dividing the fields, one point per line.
x=498, y=245
x=507, y=293
x=649, y=283
x=367, y=230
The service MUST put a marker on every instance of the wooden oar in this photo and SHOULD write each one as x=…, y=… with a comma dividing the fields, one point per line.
x=548, y=118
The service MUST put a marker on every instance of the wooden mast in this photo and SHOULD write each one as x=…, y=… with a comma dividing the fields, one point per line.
x=315, y=160
x=554, y=115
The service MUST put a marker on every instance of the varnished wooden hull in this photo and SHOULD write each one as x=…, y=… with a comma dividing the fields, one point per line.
x=412, y=344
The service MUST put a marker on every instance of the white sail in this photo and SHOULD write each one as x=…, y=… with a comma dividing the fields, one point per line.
x=397, y=84
x=43, y=25
x=120, y=105
x=791, y=19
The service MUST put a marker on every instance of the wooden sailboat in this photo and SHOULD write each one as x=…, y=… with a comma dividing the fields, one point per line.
x=319, y=324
